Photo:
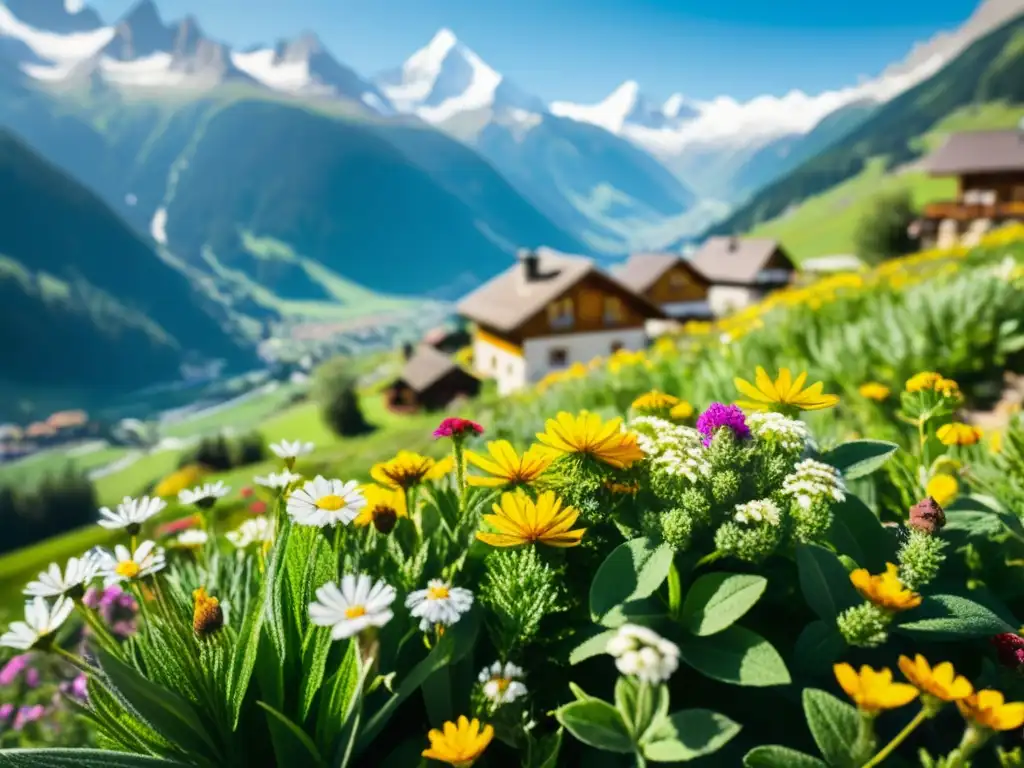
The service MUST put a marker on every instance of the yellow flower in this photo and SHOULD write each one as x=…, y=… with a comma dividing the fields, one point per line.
x=207, y=617
x=988, y=709
x=460, y=744
x=923, y=381
x=586, y=434
x=506, y=467
x=783, y=391
x=943, y=488
x=655, y=401
x=404, y=471
x=873, y=691
x=179, y=480
x=948, y=388
x=872, y=390
x=681, y=411
x=942, y=682
x=995, y=442
x=383, y=508
x=885, y=589
x=520, y=520
x=440, y=469
x=958, y=434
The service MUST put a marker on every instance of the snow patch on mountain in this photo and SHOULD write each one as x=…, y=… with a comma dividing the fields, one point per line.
x=60, y=49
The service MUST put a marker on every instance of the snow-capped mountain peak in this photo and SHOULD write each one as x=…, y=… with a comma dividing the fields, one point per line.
x=60, y=16
x=626, y=105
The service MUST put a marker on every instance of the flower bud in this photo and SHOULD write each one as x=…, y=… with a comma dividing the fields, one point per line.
x=1010, y=649
x=927, y=516
x=208, y=616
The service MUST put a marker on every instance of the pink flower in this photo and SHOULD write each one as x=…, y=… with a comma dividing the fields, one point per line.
x=6, y=710
x=717, y=416
x=13, y=668
x=176, y=526
x=246, y=492
x=457, y=428
x=1010, y=649
x=258, y=507
x=28, y=715
x=32, y=677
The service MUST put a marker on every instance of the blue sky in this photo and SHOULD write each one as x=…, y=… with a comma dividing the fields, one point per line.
x=580, y=50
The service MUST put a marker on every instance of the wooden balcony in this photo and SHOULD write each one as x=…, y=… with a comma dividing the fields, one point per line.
x=963, y=212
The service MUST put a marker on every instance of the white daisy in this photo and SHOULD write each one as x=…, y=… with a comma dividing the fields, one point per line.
x=360, y=602
x=643, y=654
x=439, y=603
x=290, y=451
x=323, y=502
x=502, y=682
x=78, y=572
x=206, y=495
x=41, y=621
x=193, y=538
x=256, y=529
x=131, y=513
x=123, y=565
x=278, y=479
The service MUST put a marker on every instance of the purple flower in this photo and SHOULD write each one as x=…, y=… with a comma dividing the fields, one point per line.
x=717, y=416
x=13, y=668
x=79, y=687
x=6, y=710
x=32, y=677
x=28, y=715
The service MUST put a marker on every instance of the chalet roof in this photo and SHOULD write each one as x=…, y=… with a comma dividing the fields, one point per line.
x=425, y=367
x=734, y=259
x=643, y=270
x=978, y=152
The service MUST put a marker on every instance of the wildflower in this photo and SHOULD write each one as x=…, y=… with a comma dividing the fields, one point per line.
x=502, y=683
x=207, y=616
x=506, y=467
x=204, y=496
x=761, y=511
x=783, y=391
x=457, y=428
x=923, y=382
x=873, y=691
x=1009, y=649
x=719, y=416
x=789, y=434
x=644, y=654
x=655, y=402
x=322, y=502
x=459, y=744
x=192, y=539
x=246, y=492
x=441, y=468
x=278, y=479
x=256, y=530
x=872, y=390
x=357, y=603
x=12, y=669
x=958, y=434
x=383, y=508
x=131, y=513
x=587, y=435
x=28, y=714
x=176, y=526
x=943, y=489
x=927, y=516
x=681, y=411
x=78, y=572
x=290, y=451
x=124, y=565
x=117, y=607
x=520, y=520
x=885, y=589
x=941, y=681
x=812, y=481
x=988, y=709
x=948, y=388
x=42, y=620
x=439, y=604
x=656, y=436
x=404, y=471
x=258, y=507
x=179, y=480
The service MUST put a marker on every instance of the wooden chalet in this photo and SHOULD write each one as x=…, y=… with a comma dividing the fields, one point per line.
x=430, y=380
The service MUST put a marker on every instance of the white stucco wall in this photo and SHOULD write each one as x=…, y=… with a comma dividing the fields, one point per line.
x=724, y=299
x=579, y=347
x=508, y=369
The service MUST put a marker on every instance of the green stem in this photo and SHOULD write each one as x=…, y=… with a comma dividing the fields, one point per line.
x=708, y=559
x=675, y=591
x=887, y=750
x=76, y=661
x=460, y=474
x=866, y=740
x=99, y=628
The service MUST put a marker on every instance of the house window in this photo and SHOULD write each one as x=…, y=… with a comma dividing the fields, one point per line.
x=558, y=357
x=560, y=314
x=494, y=363
x=613, y=310
x=616, y=346
x=591, y=306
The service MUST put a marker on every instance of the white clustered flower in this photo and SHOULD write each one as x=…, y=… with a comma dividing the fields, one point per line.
x=790, y=434
x=644, y=654
x=52, y=583
x=277, y=480
x=41, y=620
x=204, y=495
x=255, y=530
x=690, y=463
x=760, y=511
x=123, y=565
x=291, y=450
x=359, y=602
x=131, y=513
x=502, y=682
x=657, y=436
x=812, y=481
x=439, y=603
x=323, y=502
x=192, y=538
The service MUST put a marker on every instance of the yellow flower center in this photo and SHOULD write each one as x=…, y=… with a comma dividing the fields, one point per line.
x=355, y=611
x=502, y=682
x=437, y=593
x=331, y=503
x=129, y=569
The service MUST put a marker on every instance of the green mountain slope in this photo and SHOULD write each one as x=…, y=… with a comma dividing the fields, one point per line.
x=94, y=306
x=990, y=70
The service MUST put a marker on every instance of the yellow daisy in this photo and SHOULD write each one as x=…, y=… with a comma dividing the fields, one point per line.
x=943, y=488
x=383, y=508
x=654, y=402
x=520, y=520
x=586, y=434
x=885, y=589
x=681, y=411
x=873, y=691
x=784, y=391
x=940, y=681
x=459, y=744
x=958, y=434
x=506, y=467
x=923, y=381
x=989, y=710
x=404, y=471
x=872, y=390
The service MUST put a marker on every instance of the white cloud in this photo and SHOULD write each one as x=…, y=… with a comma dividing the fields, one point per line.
x=74, y=6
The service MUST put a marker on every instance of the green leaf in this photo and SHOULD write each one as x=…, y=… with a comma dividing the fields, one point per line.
x=833, y=725
x=632, y=571
x=292, y=747
x=824, y=581
x=772, y=756
x=858, y=458
x=80, y=758
x=642, y=611
x=819, y=645
x=948, y=617
x=594, y=646
x=717, y=600
x=856, y=532
x=738, y=656
x=689, y=734
x=597, y=724
x=316, y=649
x=579, y=693
x=340, y=691
x=545, y=753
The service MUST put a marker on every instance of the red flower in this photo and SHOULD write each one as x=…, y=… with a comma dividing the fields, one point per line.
x=176, y=526
x=457, y=428
x=246, y=492
x=1010, y=649
x=258, y=507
